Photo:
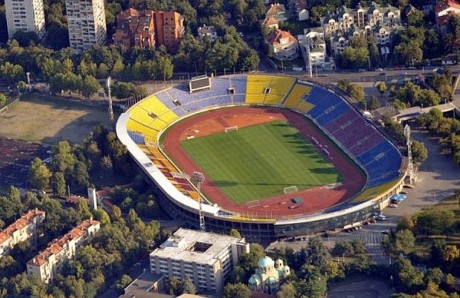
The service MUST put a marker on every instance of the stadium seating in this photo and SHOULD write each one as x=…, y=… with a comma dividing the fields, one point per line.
x=279, y=87
x=298, y=92
x=238, y=83
x=255, y=88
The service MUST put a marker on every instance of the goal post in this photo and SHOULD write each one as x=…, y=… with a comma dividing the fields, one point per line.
x=290, y=189
x=231, y=128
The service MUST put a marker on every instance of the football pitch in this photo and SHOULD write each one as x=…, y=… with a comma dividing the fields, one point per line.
x=259, y=161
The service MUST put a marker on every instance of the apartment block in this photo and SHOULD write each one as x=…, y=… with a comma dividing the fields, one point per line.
x=148, y=28
x=25, y=228
x=206, y=258
x=25, y=15
x=50, y=260
x=86, y=21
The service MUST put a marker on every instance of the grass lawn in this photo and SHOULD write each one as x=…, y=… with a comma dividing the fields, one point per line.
x=48, y=119
x=259, y=161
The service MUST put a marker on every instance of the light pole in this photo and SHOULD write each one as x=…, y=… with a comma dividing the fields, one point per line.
x=28, y=80
x=198, y=178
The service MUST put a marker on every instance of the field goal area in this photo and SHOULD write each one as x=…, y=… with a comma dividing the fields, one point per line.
x=290, y=189
x=231, y=128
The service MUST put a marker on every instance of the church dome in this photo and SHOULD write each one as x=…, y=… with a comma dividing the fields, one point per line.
x=265, y=262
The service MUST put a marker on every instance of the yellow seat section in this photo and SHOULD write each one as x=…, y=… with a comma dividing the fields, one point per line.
x=281, y=85
x=255, y=87
x=153, y=105
x=140, y=115
x=298, y=92
x=273, y=98
x=158, y=124
x=304, y=106
x=148, y=133
x=169, y=117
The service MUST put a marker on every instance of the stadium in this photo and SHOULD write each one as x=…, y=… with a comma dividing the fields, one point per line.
x=281, y=157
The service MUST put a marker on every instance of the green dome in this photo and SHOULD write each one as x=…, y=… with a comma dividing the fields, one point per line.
x=265, y=262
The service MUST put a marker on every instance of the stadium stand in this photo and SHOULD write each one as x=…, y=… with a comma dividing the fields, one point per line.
x=298, y=92
x=256, y=85
x=279, y=87
x=238, y=83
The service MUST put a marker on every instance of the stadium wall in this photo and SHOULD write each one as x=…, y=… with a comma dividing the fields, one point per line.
x=263, y=230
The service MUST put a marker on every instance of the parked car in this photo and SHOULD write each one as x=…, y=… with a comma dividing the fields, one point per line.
x=393, y=206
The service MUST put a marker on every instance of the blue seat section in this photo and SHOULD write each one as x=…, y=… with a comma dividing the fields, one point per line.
x=136, y=137
x=219, y=88
x=330, y=116
x=165, y=98
x=239, y=98
x=380, y=159
x=239, y=84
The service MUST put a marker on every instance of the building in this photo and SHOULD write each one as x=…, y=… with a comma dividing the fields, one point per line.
x=268, y=275
x=169, y=28
x=444, y=9
x=86, y=22
x=25, y=228
x=381, y=22
x=270, y=23
x=149, y=28
x=50, y=260
x=299, y=8
x=135, y=29
x=277, y=11
x=27, y=16
x=209, y=31
x=206, y=258
x=313, y=47
x=282, y=44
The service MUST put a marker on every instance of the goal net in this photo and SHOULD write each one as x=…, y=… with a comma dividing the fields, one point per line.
x=290, y=189
x=231, y=128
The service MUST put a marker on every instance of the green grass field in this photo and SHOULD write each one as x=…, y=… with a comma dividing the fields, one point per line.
x=259, y=161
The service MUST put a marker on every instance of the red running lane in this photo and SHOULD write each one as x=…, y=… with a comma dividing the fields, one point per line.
x=314, y=199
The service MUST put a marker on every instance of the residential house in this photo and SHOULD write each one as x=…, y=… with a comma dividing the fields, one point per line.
x=209, y=31
x=282, y=44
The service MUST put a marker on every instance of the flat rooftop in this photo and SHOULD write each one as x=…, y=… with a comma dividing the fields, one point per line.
x=194, y=246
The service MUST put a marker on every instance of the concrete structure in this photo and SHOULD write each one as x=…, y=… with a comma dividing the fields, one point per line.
x=206, y=258
x=49, y=261
x=209, y=31
x=86, y=21
x=444, y=10
x=282, y=44
x=268, y=275
x=25, y=15
x=25, y=228
x=92, y=198
x=313, y=47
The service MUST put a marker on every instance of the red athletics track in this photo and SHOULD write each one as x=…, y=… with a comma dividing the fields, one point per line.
x=314, y=199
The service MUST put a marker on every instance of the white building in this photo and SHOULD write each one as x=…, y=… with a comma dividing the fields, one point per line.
x=86, y=21
x=206, y=258
x=25, y=228
x=268, y=275
x=313, y=47
x=209, y=31
x=25, y=15
x=49, y=261
x=282, y=44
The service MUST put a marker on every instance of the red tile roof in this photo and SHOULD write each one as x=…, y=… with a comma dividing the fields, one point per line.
x=275, y=36
x=20, y=224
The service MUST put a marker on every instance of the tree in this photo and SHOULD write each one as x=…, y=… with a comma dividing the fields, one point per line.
x=434, y=275
x=39, y=174
x=58, y=184
x=410, y=278
x=419, y=151
x=188, y=286
x=415, y=18
x=287, y=290
x=238, y=290
x=165, y=68
x=343, y=248
x=356, y=91
x=382, y=87
x=234, y=233
x=405, y=241
x=90, y=86
x=374, y=103
x=433, y=221
x=2, y=100
x=123, y=282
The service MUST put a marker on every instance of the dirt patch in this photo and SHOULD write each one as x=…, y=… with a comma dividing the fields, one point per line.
x=314, y=199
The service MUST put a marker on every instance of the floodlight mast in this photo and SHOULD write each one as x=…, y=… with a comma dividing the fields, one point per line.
x=109, y=80
x=198, y=178
x=409, y=154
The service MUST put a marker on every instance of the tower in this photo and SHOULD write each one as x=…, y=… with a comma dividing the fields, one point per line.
x=87, y=27
x=409, y=154
x=27, y=16
x=109, y=80
x=198, y=178
x=92, y=198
